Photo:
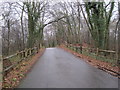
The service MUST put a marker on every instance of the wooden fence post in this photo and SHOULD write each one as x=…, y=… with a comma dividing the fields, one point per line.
x=36, y=49
x=25, y=52
x=81, y=49
x=76, y=49
x=30, y=51
x=97, y=52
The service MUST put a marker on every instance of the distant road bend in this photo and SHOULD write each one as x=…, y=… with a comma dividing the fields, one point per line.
x=60, y=69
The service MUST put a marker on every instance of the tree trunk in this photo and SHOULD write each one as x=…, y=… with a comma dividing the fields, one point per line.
x=79, y=38
x=23, y=42
x=8, y=25
x=119, y=35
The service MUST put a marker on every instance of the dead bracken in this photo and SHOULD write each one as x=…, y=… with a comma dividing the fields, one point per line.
x=94, y=62
x=13, y=78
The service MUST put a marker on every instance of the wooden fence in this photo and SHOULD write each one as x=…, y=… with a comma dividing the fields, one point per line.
x=91, y=49
x=8, y=62
x=97, y=52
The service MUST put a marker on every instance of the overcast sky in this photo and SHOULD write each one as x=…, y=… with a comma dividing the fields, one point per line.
x=55, y=1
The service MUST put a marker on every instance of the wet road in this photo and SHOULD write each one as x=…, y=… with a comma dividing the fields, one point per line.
x=60, y=69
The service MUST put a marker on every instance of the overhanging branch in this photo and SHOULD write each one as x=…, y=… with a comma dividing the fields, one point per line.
x=53, y=21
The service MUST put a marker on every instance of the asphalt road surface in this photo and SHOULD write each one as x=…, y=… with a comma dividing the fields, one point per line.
x=60, y=69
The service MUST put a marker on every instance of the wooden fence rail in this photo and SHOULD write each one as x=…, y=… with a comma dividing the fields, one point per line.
x=8, y=64
x=96, y=51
